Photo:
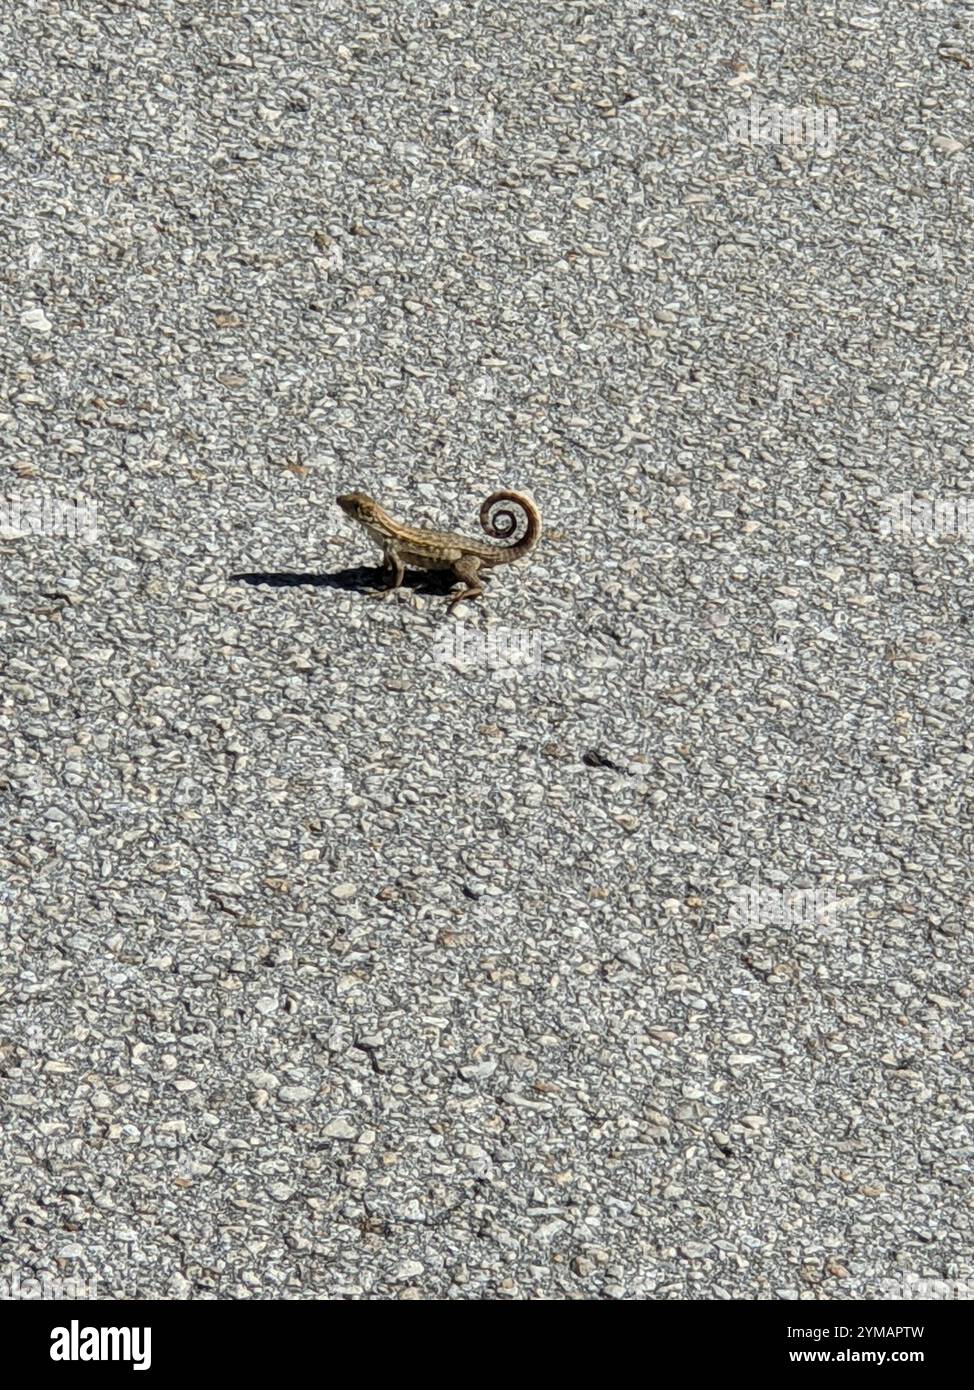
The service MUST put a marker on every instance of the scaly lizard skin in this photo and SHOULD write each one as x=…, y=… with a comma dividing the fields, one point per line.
x=420, y=548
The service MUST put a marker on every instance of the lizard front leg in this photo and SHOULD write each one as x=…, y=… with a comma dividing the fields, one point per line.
x=467, y=568
x=395, y=567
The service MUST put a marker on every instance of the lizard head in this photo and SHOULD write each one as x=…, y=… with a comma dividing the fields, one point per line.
x=359, y=506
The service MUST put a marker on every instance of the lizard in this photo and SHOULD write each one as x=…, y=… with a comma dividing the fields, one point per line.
x=421, y=548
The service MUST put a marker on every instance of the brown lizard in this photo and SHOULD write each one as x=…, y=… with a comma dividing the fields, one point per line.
x=420, y=548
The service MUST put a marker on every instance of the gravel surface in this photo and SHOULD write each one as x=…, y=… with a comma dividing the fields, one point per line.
x=352, y=950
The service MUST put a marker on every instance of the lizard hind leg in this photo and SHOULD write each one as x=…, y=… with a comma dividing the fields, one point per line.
x=468, y=569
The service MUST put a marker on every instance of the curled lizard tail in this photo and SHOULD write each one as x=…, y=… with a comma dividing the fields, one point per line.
x=503, y=523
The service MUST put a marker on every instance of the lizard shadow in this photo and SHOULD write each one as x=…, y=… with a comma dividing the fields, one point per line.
x=362, y=578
